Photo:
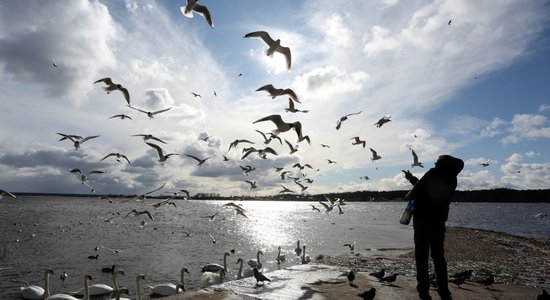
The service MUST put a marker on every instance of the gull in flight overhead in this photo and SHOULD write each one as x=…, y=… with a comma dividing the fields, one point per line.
x=162, y=156
x=330, y=161
x=416, y=163
x=235, y=143
x=273, y=46
x=212, y=217
x=292, y=148
x=299, y=166
x=283, y=173
x=84, y=177
x=292, y=109
x=55, y=64
x=358, y=141
x=314, y=208
x=192, y=6
x=449, y=23
x=66, y=136
x=351, y=246
x=342, y=119
x=150, y=114
x=303, y=187
x=200, y=161
x=77, y=142
x=375, y=155
x=325, y=146
x=150, y=137
x=238, y=209
x=329, y=205
x=252, y=184
x=6, y=193
x=283, y=126
x=382, y=121
x=118, y=157
x=261, y=152
x=144, y=196
x=225, y=158
x=286, y=190
x=485, y=164
x=121, y=116
x=136, y=212
x=247, y=169
x=112, y=87
x=196, y=95
x=274, y=92
x=272, y=136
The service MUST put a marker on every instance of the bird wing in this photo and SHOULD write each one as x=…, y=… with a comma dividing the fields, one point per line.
x=292, y=95
x=201, y=9
x=157, y=147
x=4, y=192
x=107, y=80
x=273, y=118
x=95, y=172
x=270, y=150
x=76, y=170
x=286, y=52
x=110, y=154
x=194, y=157
x=261, y=34
x=415, y=157
x=290, y=105
x=141, y=110
x=125, y=93
x=159, y=111
x=263, y=135
x=126, y=158
x=88, y=138
x=374, y=154
x=268, y=88
x=352, y=114
x=148, y=214
x=161, y=187
x=289, y=145
x=326, y=206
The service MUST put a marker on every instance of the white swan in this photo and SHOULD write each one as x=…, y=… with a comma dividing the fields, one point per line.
x=255, y=263
x=138, y=287
x=36, y=292
x=119, y=293
x=280, y=257
x=69, y=297
x=168, y=289
x=248, y=272
x=213, y=267
x=100, y=288
x=305, y=258
x=209, y=278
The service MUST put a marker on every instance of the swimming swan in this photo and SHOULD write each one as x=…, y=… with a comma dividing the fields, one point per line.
x=68, y=297
x=213, y=267
x=255, y=263
x=168, y=289
x=209, y=278
x=248, y=272
x=36, y=292
x=100, y=288
x=138, y=287
x=280, y=257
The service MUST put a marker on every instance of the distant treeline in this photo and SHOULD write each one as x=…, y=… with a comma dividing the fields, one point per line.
x=492, y=195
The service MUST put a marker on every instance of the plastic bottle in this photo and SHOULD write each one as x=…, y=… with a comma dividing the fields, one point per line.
x=407, y=213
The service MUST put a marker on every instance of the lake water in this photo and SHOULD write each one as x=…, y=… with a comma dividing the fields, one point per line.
x=61, y=232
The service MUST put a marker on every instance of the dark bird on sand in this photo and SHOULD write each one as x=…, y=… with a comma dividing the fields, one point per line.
x=466, y=273
x=378, y=274
x=487, y=281
x=351, y=277
x=389, y=279
x=368, y=295
x=458, y=280
x=543, y=296
x=259, y=276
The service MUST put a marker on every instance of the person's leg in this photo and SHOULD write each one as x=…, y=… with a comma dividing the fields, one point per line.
x=437, y=242
x=421, y=253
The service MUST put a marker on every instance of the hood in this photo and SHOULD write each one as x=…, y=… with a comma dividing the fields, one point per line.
x=449, y=164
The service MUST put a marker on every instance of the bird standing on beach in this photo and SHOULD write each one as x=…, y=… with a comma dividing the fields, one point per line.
x=458, y=280
x=259, y=276
x=487, y=281
x=389, y=279
x=274, y=46
x=351, y=277
x=368, y=295
x=378, y=274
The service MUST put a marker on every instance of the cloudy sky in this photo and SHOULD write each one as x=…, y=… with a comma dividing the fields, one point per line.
x=476, y=89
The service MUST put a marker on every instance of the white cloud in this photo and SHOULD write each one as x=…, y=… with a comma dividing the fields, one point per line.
x=527, y=127
x=494, y=128
x=158, y=98
x=328, y=81
x=544, y=107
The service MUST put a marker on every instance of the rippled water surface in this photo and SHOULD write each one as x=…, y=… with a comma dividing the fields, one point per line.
x=61, y=232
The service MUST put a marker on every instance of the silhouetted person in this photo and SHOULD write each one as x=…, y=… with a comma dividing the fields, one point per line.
x=432, y=195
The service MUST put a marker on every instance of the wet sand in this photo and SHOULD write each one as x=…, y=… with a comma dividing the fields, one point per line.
x=520, y=266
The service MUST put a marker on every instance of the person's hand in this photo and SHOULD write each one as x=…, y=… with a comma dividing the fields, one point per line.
x=408, y=175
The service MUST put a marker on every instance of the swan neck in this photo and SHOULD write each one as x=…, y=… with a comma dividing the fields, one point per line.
x=47, y=285
x=115, y=286
x=182, y=275
x=86, y=289
x=240, y=274
x=225, y=261
x=138, y=290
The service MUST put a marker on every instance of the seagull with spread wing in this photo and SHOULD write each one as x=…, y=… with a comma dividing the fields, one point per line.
x=150, y=137
x=162, y=157
x=272, y=136
x=136, y=212
x=416, y=163
x=375, y=155
x=293, y=109
x=121, y=116
x=144, y=196
x=113, y=87
x=192, y=6
x=252, y=184
x=382, y=121
x=282, y=126
x=342, y=119
x=236, y=142
x=118, y=157
x=274, y=45
x=150, y=114
x=274, y=92
x=358, y=141
x=199, y=160
x=6, y=193
x=77, y=141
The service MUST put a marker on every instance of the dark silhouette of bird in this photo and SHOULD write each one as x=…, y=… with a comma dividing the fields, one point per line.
x=315, y=208
x=114, y=86
x=192, y=6
x=259, y=276
x=458, y=280
x=465, y=273
x=382, y=121
x=351, y=277
x=351, y=246
x=274, y=46
x=93, y=256
x=543, y=296
x=449, y=23
x=275, y=92
x=196, y=95
x=368, y=294
x=110, y=269
x=378, y=274
x=342, y=119
x=487, y=281
x=389, y=279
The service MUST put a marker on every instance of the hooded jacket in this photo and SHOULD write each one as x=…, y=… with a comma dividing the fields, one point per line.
x=433, y=193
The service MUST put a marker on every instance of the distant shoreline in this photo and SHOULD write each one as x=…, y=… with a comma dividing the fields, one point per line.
x=492, y=195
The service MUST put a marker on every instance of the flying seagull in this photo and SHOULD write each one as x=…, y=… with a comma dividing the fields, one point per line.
x=55, y=64
x=200, y=161
x=144, y=196
x=252, y=184
x=292, y=148
x=485, y=164
x=273, y=46
x=274, y=92
x=375, y=155
x=292, y=109
x=416, y=163
x=272, y=136
x=196, y=95
x=113, y=86
x=235, y=143
x=121, y=116
x=162, y=157
x=358, y=141
x=150, y=137
x=342, y=119
x=77, y=142
x=283, y=126
x=382, y=121
x=192, y=6
x=150, y=114
x=6, y=193
x=142, y=212
x=118, y=157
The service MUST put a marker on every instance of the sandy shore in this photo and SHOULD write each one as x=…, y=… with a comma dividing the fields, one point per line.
x=520, y=266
